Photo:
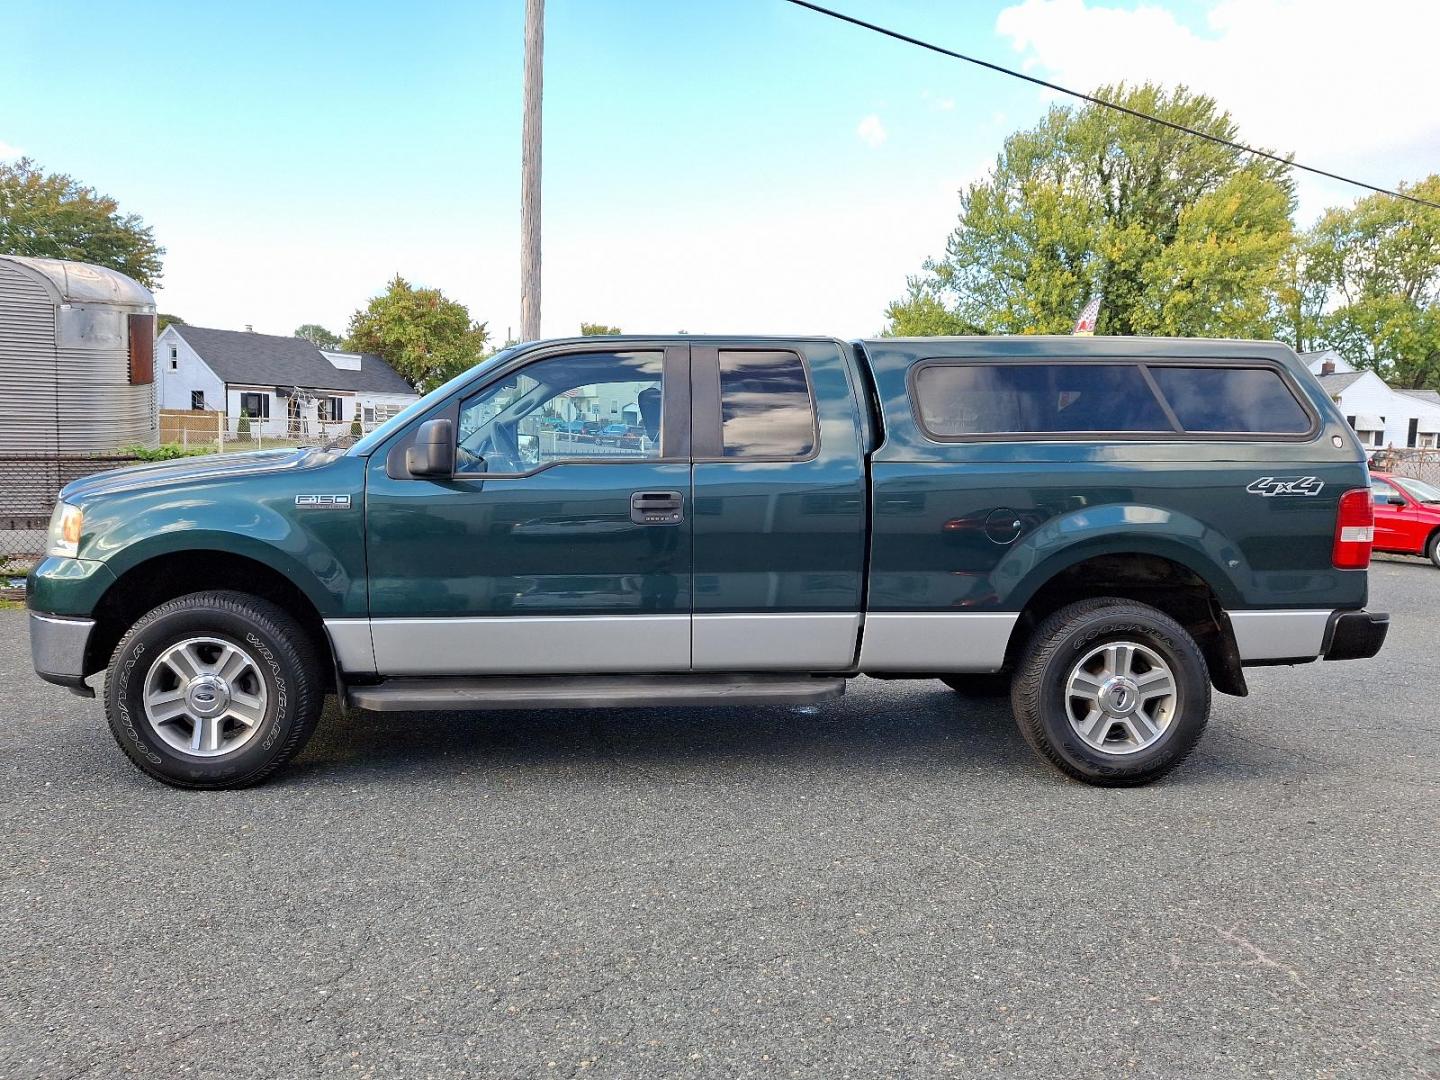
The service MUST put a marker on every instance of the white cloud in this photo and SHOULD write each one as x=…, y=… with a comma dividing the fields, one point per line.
x=1344, y=86
x=9, y=150
x=871, y=131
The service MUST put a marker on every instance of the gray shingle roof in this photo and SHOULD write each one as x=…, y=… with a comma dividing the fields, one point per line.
x=1432, y=396
x=1333, y=384
x=238, y=356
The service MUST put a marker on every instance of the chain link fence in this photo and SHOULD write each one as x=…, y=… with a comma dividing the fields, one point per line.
x=1416, y=464
x=29, y=486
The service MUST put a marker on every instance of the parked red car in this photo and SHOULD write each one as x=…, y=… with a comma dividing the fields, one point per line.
x=1407, y=516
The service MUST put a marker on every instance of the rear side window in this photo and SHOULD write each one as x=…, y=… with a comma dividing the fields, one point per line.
x=992, y=399
x=765, y=405
x=1218, y=399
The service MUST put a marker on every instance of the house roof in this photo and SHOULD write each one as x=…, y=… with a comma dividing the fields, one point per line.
x=239, y=356
x=1432, y=396
x=1334, y=384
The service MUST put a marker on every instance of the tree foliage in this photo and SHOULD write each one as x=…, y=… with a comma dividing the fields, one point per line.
x=425, y=336
x=1179, y=235
x=595, y=329
x=1375, y=268
x=163, y=320
x=55, y=216
x=318, y=336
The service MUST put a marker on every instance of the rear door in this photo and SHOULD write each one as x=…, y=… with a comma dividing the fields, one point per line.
x=779, y=493
x=551, y=550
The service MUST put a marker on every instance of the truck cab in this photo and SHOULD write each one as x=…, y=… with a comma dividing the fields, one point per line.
x=1107, y=529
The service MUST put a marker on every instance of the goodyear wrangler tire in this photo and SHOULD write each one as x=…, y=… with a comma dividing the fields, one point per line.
x=1112, y=692
x=213, y=690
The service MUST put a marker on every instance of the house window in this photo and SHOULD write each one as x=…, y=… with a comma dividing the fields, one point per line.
x=174, y=358
x=255, y=405
x=197, y=399
x=384, y=411
x=369, y=414
x=335, y=409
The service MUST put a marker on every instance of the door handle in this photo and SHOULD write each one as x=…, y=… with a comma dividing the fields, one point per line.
x=657, y=508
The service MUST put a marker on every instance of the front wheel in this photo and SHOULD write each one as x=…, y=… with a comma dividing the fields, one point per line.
x=1434, y=549
x=1112, y=692
x=213, y=690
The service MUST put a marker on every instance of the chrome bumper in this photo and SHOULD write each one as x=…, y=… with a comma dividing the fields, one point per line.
x=57, y=649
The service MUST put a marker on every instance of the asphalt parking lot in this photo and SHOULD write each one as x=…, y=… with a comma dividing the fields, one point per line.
x=888, y=886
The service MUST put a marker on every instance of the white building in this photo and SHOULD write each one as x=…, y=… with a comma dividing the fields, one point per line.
x=286, y=382
x=1381, y=416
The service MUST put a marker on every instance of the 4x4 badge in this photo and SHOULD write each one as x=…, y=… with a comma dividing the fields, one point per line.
x=1270, y=486
x=323, y=502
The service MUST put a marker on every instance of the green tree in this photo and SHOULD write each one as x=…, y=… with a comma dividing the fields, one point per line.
x=1179, y=235
x=162, y=321
x=595, y=329
x=55, y=216
x=1378, y=263
x=318, y=336
x=421, y=333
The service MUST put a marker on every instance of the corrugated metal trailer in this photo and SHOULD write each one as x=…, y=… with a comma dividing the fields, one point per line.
x=77, y=358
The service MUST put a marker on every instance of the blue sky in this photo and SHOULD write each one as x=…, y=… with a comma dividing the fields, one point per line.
x=727, y=166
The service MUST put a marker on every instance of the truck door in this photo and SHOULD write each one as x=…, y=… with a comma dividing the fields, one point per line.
x=779, y=524
x=562, y=544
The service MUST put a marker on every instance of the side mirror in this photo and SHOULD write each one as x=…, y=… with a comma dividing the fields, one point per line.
x=433, y=455
x=1396, y=500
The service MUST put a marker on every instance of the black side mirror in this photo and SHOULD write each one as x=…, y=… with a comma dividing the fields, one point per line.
x=1396, y=500
x=433, y=455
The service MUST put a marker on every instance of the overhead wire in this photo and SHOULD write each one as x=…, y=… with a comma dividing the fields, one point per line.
x=1092, y=99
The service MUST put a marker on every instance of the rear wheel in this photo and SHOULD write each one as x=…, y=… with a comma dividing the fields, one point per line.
x=213, y=690
x=1112, y=692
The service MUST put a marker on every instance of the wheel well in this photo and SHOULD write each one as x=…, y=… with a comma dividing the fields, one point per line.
x=1161, y=583
x=151, y=583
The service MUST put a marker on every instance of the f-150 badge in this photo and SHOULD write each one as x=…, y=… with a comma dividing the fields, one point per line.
x=1271, y=486
x=323, y=502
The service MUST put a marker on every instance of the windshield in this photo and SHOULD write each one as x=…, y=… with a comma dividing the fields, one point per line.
x=414, y=409
x=1420, y=491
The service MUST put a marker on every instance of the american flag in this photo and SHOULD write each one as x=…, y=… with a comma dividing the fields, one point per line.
x=1085, y=325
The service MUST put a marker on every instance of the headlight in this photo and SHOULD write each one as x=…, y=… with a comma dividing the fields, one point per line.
x=64, y=539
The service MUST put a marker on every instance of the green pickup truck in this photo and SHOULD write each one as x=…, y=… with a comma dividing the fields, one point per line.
x=1106, y=528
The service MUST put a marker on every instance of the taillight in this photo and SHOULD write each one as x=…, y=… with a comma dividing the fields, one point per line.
x=1354, y=530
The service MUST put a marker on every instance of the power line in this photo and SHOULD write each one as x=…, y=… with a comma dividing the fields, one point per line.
x=1101, y=101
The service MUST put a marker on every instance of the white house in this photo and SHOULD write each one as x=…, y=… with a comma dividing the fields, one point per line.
x=286, y=382
x=1381, y=416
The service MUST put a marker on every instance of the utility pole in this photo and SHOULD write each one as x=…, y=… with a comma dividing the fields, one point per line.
x=530, y=171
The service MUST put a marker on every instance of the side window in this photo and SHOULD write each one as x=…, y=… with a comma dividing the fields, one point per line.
x=577, y=407
x=765, y=405
x=1212, y=400
x=1381, y=492
x=956, y=400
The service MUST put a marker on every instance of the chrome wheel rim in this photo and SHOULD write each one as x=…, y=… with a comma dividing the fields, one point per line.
x=1121, y=697
x=205, y=697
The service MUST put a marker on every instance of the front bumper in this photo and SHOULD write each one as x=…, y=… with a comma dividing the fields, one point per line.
x=57, y=649
x=1355, y=635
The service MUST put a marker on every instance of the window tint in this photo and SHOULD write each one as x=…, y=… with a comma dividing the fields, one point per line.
x=567, y=408
x=1216, y=399
x=991, y=399
x=1381, y=492
x=765, y=407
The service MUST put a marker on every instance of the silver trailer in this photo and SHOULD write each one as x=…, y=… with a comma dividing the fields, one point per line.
x=77, y=358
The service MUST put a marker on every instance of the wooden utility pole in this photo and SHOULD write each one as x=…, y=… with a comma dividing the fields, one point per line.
x=530, y=171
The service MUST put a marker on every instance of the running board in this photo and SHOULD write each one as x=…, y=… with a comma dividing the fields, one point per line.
x=592, y=692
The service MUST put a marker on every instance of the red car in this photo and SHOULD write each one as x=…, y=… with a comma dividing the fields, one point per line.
x=1407, y=516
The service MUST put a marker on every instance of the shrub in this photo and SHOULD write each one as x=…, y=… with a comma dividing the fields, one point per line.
x=242, y=429
x=163, y=452
x=355, y=429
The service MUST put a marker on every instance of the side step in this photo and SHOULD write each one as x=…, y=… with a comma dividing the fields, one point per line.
x=592, y=692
